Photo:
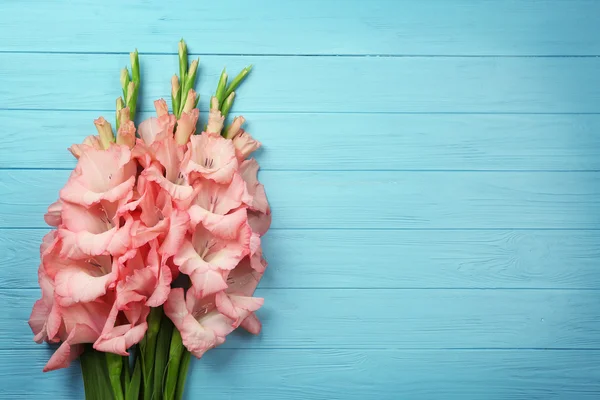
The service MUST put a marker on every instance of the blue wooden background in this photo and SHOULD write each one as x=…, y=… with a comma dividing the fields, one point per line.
x=433, y=169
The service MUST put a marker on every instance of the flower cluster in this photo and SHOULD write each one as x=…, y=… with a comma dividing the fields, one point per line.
x=156, y=204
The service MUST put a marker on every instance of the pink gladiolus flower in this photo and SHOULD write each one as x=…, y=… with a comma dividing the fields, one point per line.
x=93, y=231
x=214, y=202
x=101, y=175
x=210, y=157
x=201, y=325
x=207, y=258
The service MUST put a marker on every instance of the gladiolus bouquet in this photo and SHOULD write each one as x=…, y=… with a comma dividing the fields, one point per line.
x=157, y=248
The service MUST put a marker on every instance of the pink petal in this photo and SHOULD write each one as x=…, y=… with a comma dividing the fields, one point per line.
x=121, y=338
x=154, y=129
x=177, y=191
x=252, y=324
x=223, y=226
x=244, y=145
x=53, y=216
x=249, y=172
x=69, y=349
x=237, y=307
x=178, y=226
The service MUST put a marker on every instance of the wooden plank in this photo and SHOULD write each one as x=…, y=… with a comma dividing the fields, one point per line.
x=317, y=84
x=391, y=318
x=345, y=374
x=467, y=27
x=376, y=200
x=387, y=259
x=338, y=141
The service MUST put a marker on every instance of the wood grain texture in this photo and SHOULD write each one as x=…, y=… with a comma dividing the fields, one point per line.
x=351, y=141
x=346, y=374
x=391, y=319
x=550, y=27
x=433, y=168
x=382, y=199
x=387, y=259
x=316, y=84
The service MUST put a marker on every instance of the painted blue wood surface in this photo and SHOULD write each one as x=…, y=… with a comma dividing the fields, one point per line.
x=433, y=168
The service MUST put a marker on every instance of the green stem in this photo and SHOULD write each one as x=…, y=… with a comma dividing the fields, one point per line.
x=96, y=382
x=115, y=367
x=126, y=376
x=183, y=371
x=161, y=356
x=148, y=348
x=175, y=354
x=133, y=391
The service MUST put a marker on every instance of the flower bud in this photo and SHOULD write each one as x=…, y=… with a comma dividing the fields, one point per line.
x=189, y=101
x=175, y=95
x=227, y=104
x=237, y=80
x=186, y=126
x=120, y=106
x=130, y=93
x=183, y=64
x=221, y=87
x=135, y=67
x=161, y=107
x=234, y=129
x=124, y=81
x=215, y=119
x=105, y=132
x=244, y=145
x=126, y=133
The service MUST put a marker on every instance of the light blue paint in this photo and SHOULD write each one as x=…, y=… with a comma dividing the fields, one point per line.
x=436, y=229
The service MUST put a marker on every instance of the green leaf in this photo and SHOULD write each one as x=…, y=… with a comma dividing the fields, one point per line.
x=175, y=354
x=96, y=381
x=133, y=392
x=161, y=356
x=238, y=80
x=183, y=371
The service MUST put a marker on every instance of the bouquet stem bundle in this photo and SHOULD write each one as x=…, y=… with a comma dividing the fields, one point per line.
x=156, y=252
